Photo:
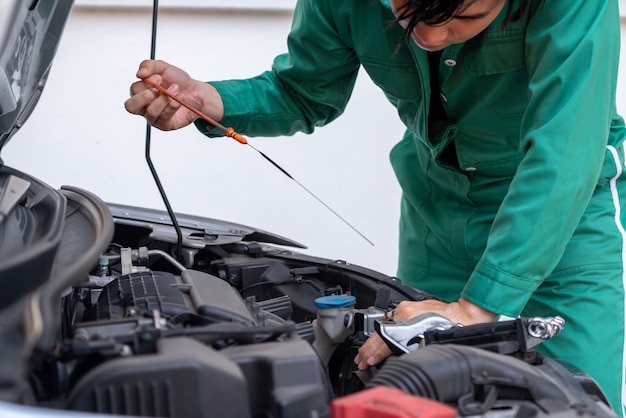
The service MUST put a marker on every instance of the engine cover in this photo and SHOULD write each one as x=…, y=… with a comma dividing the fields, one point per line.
x=186, y=378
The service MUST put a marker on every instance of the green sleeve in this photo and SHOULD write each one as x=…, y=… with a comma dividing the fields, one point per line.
x=307, y=87
x=572, y=54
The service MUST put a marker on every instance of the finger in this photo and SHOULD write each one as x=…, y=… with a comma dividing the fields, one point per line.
x=140, y=99
x=367, y=350
x=358, y=359
x=161, y=109
x=381, y=353
x=148, y=68
x=361, y=364
x=361, y=358
x=139, y=86
x=390, y=315
x=172, y=105
x=372, y=355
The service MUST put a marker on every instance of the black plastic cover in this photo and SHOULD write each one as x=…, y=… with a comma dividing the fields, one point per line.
x=185, y=378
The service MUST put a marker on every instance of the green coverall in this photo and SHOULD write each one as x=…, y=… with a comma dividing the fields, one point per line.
x=512, y=194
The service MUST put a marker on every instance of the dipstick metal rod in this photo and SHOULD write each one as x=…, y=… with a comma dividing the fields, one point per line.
x=230, y=132
x=312, y=194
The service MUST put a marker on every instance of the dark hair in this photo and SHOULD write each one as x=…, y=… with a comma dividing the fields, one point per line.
x=436, y=12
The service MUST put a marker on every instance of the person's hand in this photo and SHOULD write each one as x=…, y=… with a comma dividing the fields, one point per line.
x=164, y=113
x=462, y=312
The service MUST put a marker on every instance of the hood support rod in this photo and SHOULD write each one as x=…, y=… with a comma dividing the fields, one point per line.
x=179, y=234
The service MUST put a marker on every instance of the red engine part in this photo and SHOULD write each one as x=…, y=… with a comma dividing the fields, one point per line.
x=384, y=402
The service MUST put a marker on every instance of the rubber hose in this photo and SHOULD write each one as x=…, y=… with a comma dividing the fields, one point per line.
x=448, y=372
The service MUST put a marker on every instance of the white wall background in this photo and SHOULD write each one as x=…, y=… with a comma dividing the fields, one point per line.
x=81, y=135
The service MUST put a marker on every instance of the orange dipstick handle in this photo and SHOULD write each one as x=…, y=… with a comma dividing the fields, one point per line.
x=234, y=135
x=230, y=132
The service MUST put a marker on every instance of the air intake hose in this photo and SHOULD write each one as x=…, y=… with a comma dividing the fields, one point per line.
x=455, y=374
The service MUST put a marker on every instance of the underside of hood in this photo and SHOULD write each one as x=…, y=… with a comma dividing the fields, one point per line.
x=29, y=36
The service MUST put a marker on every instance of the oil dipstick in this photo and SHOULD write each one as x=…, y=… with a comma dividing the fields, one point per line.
x=230, y=132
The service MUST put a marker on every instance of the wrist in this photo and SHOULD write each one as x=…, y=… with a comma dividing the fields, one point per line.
x=476, y=313
x=210, y=100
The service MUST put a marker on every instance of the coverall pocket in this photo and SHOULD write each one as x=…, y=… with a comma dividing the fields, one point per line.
x=506, y=53
x=398, y=81
x=498, y=71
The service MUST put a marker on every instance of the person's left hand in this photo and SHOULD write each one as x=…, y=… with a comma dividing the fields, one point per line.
x=462, y=312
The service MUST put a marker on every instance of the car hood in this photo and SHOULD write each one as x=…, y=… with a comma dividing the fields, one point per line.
x=29, y=37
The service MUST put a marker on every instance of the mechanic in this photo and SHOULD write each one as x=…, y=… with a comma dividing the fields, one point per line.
x=510, y=166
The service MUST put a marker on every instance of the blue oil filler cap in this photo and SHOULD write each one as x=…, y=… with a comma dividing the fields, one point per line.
x=335, y=301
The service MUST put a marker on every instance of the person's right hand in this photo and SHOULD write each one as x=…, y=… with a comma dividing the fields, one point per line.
x=164, y=113
x=463, y=312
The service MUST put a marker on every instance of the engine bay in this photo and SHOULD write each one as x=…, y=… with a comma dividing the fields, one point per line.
x=250, y=329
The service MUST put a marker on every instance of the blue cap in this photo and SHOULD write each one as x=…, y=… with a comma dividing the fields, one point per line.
x=103, y=260
x=335, y=301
